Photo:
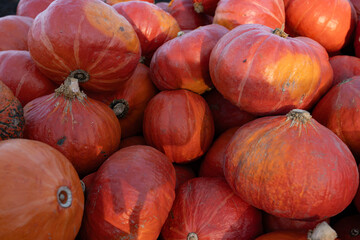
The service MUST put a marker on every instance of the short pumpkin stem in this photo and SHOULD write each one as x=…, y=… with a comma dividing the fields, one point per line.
x=192, y=236
x=83, y=187
x=120, y=108
x=64, y=196
x=322, y=231
x=355, y=232
x=179, y=34
x=297, y=116
x=280, y=33
x=70, y=89
x=80, y=75
x=199, y=8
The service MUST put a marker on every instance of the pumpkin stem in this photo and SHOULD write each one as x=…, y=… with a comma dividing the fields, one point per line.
x=280, y=33
x=70, y=89
x=298, y=116
x=83, y=187
x=355, y=232
x=179, y=34
x=80, y=75
x=64, y=196
x=199, y=8
x=120, y=107
x=192, y=236
x=322, y=231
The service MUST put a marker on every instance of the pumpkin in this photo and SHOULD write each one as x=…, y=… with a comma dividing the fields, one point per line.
x=212, y=165
x=86, y=131
x=179, y=124
x=31, y=8
x=41, y=195
x=129, y=102
x=226, y=115
x=291, y=166
x=356, y=199
x=183, y=174
x=232, y=13
x=255, y=59
x=123, y=204
x=337, y=110
x=207, y=208
x=113, y=2
x=329, y=22
x=12, y=120
x=205, y=6
x=14, y=32
x=344, y=67
x=348, y=227
x=157, y=28
x=356, y=4
x=87, y=40
x=163, y=6
x=19, y=72
x=130, y=141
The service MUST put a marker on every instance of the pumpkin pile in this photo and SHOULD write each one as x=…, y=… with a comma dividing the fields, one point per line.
x=194, y=120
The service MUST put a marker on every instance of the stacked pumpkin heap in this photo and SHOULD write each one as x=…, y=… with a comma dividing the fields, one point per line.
x=197, y=119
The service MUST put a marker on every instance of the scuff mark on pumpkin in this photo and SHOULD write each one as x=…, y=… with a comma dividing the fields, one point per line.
x=61, y=141
x=244, y=60
x=122, y=29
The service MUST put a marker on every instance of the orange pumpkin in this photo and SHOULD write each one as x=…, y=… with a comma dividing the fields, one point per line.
x=31, y=8
x=14, y=32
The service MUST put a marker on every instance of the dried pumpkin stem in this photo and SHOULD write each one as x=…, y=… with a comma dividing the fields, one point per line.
x=70, y=89
x=64, y=196
x=192, y=236
x=179, y=34
x=120, y=108
x=322, y=231
x=280, y=33
x=199, y=8
x=354, y=232
x=298, y=116
x=81, y=75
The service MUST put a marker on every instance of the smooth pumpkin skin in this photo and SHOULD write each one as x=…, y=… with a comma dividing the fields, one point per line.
x=12, y=121
x=344, y=67
x=153, y=31
x=291, y=169
x=14, y=32
x=232, y=13
x=205, y=6
x=31, y=174
x=123, y=204
x=31, y=8
x=179, y=124
x=19, y=72
x=113, y=2
x=88, y=35
x=183, y=174
x=183, y=62
x=256, y=61
x=209, y=208
x=329, y=22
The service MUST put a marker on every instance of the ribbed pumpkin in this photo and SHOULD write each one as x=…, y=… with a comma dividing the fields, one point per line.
x=130, y=197
x=179, y=124
x=207, y=208
x=86, y=131
x=12, y=120
x=87, y=40
x=14, y=32
x=31, y=8
x=19, y=72
x=232, y=13
x=183, y=174
x=41, y=195
x=205, y=6
x=265, y=72
x=344, y=67
x=291, y=166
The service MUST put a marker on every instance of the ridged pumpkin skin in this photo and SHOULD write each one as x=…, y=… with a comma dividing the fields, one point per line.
x=183, y=62
x=157, y=28
x=12, y=120
x=14, y=32
x=344, y=67
x=232, y=13
x=250, y=67
x=31, y=8
x=291, y=166
x=329, y=22
x=86, y=131
x=183, y=174
x=87, y=40
x=34, y=176
x=209, y=208
x=338, y=111
x=19, y=72
x=205, y=6
x=123, y=204
x=179, y=124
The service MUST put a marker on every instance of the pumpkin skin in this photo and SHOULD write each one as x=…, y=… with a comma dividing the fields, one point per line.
x=348, y=227
x=232, y=13
x=183, y=174
x=63, y=120
x=130, y=141
x=310, y=174
x=212, y=165
x=14, y=32
x=163, y=5
x=158, y=27
x=179, y=124
x=122, y=204
x=335, y=20
x=337, y=110
x=113, y=2
x=130, y=101
x=90, y=41
x=356, y=4
x=34, y=176
x=253, y=55
x=344, y=67
x=183, y=62
x=19, y=72
x=356, y=200
x=198, y=206
x=12, y=120
x=205, y=6
x=31, y=8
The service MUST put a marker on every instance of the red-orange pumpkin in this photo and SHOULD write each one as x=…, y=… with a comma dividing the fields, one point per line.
x=12, y=120
x=86, y=131
x=356, y=4
x=291, y=166
x=356, y=200
x=232, y=13
x=205, y=6
x=87, y=40
x=163, y=5
x=207, y=208
x=344, y=67
x=179, y=124
x=183, y=174
x=14, y=32
x=183, y=62
x=41, y=195
x=19, y=73
x=113, y=2
x=31, y=8
x=250, y=66
x=348, y=227
x=130, y=196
